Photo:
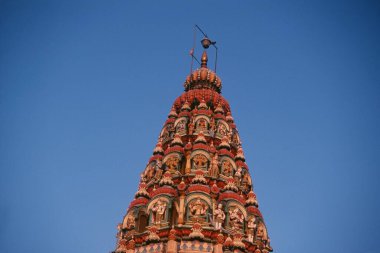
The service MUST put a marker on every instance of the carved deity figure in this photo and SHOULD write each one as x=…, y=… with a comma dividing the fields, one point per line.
x=181, y=126
x=149, y=172
x=201, y=125
x=172, y=164
x=227, y=168
x=222, y=129
x=129, y=221
x=119, y=234
x=262, y=232
x=236, y=218
x=212, y=124
x=251, y=225
x=191, y=127
x=158, y=212
x=238, y=175
x=246, y=182
x=158, y=168
x=219, y=216
x=165, y=134
x=200, y=162
x=235, y=139
x=214, y=171
x=198, y=208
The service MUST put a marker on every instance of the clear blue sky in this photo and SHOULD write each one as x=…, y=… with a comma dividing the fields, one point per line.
x=85, y=88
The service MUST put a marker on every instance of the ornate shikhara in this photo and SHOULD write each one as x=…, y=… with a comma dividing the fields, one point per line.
x=196, y=193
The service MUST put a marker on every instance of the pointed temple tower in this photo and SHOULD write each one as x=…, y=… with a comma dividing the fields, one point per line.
x=196, y=192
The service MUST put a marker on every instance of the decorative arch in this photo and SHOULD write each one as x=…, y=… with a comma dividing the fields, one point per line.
x=235, y=138
x=261, y=231
x=165, y=132
x=235, y=203
x=195, y=195
x=236, y=215
x=196, y=152
x=180, y=125
x=172, y=162
x=158, y=209
x=202, y=117
x=222, y=129
x=246, y=181
x=129, y=220
x=149, y=171
x=202, y=123
x=228, y=166
x=200, y=160
x=172, y=155
x=198, y=207
x=142, y=219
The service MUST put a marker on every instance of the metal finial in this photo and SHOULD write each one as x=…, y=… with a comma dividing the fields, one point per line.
x=204, y=60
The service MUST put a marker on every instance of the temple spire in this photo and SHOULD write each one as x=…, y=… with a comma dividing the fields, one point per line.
x=196, y=191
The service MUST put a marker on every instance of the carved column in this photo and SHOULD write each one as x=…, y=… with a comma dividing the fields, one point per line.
x=218, y=248
x=131, y=246
x=181, y=212
x=172, y=244
x=188, y=163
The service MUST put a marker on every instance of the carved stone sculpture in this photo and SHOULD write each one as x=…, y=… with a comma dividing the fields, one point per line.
x=129, y=221
x=198, y=208
x=261, y=232
x=236, y=218
x=158, y=212
x=227, y=168
x=172, y=164
x=200, y=162
x=238, y=176
x=251, y=225
x=201, y=125
x=214, y=171
x=219, y=216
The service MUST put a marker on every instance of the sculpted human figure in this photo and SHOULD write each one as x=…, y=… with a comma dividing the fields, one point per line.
x=191, y=127
x=158, y=168
x=235, y=139
x=129, y=221
x=238, y=175
x=181, y=126
x=251, y=225
x=214, y=166
x=246, y=182
x=261, y=232
x=172, y=164
x=200, y=162
x=198, y=208
x=150, y=172
x=158, y=211
x=227, y=168
x=222, y=129
x=236, y=218
x=212, y=124
x=219, y=216
x=201, y=125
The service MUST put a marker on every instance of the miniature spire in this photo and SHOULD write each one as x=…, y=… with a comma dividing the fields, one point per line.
x=185, y=106
x=177, y=140
x=202, y=105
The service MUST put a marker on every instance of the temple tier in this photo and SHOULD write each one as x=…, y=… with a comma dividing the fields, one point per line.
x=196, y=192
